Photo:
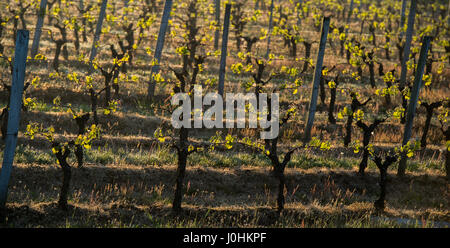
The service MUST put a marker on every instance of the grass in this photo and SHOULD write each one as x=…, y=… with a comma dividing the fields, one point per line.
x=134, y=189
x=128, y=179
x=164, y=155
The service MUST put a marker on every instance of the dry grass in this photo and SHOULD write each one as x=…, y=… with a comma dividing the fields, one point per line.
x=129, y=178
x=139, y=195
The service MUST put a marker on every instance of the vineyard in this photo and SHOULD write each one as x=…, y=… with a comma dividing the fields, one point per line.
x=359, y=89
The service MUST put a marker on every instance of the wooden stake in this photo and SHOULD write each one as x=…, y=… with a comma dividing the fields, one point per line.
x=217, y=33
x=413, y=101
x=98, y=31
x=407, y=47
x=402, y=17
x=15, y=106
x=223, y=56
x=38, y=29
x=159, y=46
x=316, y=79
x=270, y=29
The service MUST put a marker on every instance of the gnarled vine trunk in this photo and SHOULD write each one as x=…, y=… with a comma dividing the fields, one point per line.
x=181, y=170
